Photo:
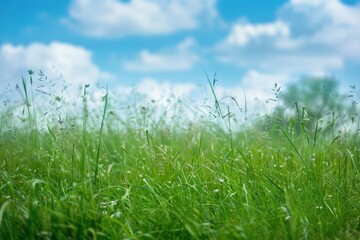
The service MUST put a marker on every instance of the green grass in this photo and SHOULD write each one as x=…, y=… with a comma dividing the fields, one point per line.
x=104, y=177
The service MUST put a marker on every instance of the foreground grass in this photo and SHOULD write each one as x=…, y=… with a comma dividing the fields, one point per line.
x=189, y=181
x=185, y=184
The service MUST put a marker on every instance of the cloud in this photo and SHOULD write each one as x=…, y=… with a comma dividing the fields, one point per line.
x=182, y=57
x=113, y=18
x=252, y=93
x=256, y=85
x=335, y=25
x=161, y=91
x=309, y=37
x=73, y=63
x=243, y=33
x=259, y=85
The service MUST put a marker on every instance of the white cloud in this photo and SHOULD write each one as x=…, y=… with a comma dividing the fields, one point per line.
x=113, y=18
x=256, y=85
x=259, y=85
x=162, y=97
x=335, y=25
x=252, y=94
x=243, y=33
x=182, y=57
x=333, y=10
x=307, y=37
x=162, y=91
x=74, y=63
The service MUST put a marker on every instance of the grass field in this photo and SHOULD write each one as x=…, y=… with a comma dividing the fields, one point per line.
x=97, y=175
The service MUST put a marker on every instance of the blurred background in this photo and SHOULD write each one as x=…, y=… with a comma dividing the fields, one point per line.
x=166, y=47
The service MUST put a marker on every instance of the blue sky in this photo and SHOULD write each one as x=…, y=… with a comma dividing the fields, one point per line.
x=160, y=45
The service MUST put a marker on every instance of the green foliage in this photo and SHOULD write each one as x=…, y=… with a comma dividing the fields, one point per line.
x=316, y=95
x=157, y=180
x=315, y=109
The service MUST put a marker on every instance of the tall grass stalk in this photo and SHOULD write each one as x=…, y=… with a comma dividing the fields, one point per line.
x=85, y=116
x=27, y=100
x=219, y=111
x=30, y=108
x=100, y=137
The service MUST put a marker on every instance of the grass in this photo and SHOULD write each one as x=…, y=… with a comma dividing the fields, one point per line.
x=99, y=176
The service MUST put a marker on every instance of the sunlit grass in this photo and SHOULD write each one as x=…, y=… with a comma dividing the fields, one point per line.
x=98, y=176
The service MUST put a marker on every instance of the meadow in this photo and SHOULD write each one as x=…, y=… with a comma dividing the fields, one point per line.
x=98, y=174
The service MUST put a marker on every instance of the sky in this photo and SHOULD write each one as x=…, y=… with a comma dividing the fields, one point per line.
x=160, y=46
